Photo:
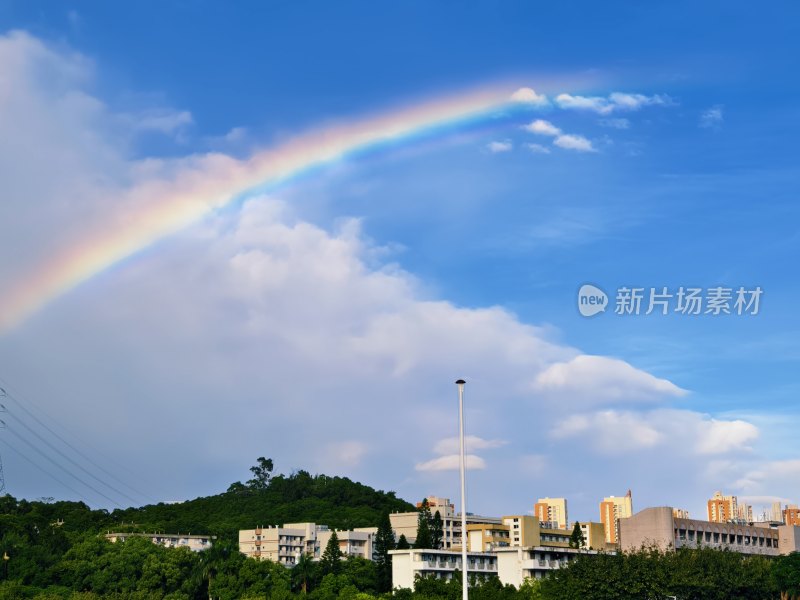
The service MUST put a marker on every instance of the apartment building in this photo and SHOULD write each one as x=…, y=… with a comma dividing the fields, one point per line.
x=407, y=565
x=552, y=511
x=523, y=530
x=515, y=565
x=594, y=536
x=195, y=543
x=612, y=509
x=287, y=543
x=659, y=526
x=791, y=515
x=511, y=564
x=724, y=509
x=406, y=523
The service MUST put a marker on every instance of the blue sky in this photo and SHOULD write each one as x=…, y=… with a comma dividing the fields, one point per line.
x=323, y=324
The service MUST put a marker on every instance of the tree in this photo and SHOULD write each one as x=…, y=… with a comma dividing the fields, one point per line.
x=303, y=571
x=576, y=539
x=786, y=574
x=261, y=474
x=402, y=542
x=384, y=541
x=331, y=561
x=437, y=531
x=424, y=539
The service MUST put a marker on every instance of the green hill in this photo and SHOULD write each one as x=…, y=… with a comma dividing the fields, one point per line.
x=334, y=501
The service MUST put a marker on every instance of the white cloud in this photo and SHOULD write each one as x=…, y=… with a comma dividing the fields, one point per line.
x=578, y=143
x=162, y=120
x=615, y=101
x=471, y=443
x=617, y=123
x=682, y=432
x=593, y=103
x=529, y=96
x=542, y=127
x=603, y=379
x=451, y=462
x=720, y=437
x=496, y=147
x=712, y=118
x=538, y=148
x=770, y=476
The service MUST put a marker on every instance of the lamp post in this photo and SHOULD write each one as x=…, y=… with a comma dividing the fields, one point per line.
x=463, y=467
x=6, y=558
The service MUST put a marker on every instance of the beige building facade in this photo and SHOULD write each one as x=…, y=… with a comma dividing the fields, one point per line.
x=407, y=565
x=658, y=526
x=406, y=523
x=612, y=509
x=552, y=511
x=286, y=544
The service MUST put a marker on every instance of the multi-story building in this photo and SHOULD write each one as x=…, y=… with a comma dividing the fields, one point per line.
x=594, y=536
x=791, y=515
x=523, y=530
x=195, y=543
x=407, y=565
x=552, y=511
x=612, y=509
x=482, y=537
x=680, y=513
x=286, y=544
x=658, y=526
x=515, y=565
x=722, y=509
x=406, y=523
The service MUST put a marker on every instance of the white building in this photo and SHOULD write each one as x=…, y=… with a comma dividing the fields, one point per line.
x=511, y=565
x=515, y=565
x=195, y=543
x=441, y=564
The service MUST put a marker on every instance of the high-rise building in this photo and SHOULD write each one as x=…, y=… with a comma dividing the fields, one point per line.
x=680, y=513
x=552, y=512
x=791, y=516
x=722, y=509
x=612, y=509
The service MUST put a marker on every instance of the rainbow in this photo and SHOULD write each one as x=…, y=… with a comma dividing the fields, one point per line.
x=204, y=184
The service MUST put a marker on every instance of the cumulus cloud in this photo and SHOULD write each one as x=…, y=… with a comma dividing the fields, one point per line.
x=617, y=101
x=451, y=462
x=574, y=142
x=601, y=377
x=542, y=127
x=682, y=431
x=712, y=118
x=770, y=476
x=527, y=95
x=538, y=148
x=471, y=442
x=496, y=147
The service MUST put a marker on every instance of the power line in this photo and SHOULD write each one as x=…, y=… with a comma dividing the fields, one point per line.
x=45, y=471
x=67, y=471
x=18, y=402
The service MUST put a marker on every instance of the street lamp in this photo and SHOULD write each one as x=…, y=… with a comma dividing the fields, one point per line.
x=463, y=467
x=6, y=558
